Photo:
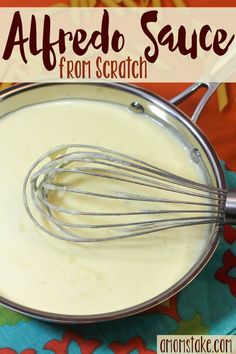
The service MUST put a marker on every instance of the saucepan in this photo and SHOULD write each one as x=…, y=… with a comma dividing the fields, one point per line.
x=139, y=101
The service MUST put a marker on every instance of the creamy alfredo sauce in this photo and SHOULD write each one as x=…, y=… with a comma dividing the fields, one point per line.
x=47, y=274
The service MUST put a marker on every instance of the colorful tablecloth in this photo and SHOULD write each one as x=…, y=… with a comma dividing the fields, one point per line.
x=206, y=306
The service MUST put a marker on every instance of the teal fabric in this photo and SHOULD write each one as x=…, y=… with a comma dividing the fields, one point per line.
x=206, y=306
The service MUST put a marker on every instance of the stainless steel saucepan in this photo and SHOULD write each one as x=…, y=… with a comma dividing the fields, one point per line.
x=139, y=101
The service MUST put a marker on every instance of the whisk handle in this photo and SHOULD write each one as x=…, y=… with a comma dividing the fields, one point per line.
x=230, y=215
x=190, y=90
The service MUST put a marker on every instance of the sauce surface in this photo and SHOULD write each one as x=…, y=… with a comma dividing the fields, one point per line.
x=61, y=277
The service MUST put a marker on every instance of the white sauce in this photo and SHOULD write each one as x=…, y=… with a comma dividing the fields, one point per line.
x=47, y=274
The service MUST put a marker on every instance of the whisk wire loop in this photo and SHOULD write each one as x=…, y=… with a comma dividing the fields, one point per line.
x=59, y=176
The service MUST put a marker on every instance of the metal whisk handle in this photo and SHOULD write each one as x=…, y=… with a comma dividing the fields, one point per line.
x=230, y=217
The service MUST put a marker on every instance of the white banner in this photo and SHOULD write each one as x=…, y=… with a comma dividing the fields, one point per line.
x=201, y=344
x=118, y=44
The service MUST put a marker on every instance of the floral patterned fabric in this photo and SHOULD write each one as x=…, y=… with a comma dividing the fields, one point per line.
x=207, y=305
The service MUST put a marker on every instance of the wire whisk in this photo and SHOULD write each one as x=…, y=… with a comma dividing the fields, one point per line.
x=86, y=193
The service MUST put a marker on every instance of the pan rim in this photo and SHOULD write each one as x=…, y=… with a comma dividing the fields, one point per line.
x=197, y=267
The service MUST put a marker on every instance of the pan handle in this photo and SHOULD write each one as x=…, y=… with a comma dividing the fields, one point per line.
x=230, y=210
x=210, y=89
